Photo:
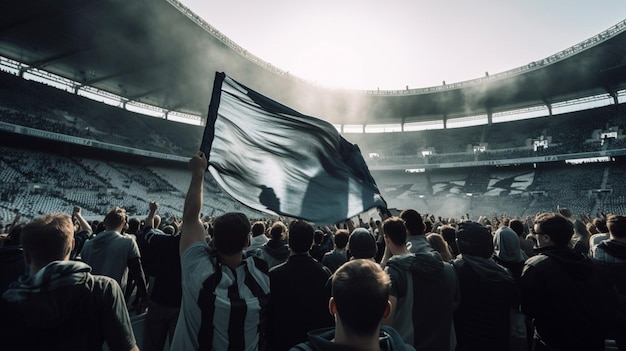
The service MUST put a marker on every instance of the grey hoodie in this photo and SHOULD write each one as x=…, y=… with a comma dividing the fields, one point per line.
x=427, y=292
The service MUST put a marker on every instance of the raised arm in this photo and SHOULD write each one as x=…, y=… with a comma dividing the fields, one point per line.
x=192, y=229
x=83, y=233
x=149, y=222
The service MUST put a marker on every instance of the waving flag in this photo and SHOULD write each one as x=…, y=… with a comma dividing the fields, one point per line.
x=279, y=161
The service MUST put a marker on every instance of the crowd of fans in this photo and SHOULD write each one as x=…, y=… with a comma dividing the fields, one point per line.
x=79, y=258
x=403, y=281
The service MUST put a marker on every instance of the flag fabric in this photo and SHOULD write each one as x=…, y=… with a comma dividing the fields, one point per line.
x=276, y=160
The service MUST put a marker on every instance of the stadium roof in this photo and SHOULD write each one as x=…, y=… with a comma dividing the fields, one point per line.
x=159, y=53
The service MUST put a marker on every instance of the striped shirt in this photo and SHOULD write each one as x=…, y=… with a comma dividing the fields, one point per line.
x=222, y=308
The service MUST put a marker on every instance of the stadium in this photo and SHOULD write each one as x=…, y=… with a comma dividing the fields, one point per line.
x=78, y=129
x=100, y=108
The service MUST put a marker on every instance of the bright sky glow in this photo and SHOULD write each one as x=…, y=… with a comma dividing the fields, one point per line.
x=366, y=44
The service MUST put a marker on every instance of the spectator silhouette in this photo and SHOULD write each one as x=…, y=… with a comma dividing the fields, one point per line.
x=225, y=296
x=300, y=292
x=60, y=305
x=359, y=303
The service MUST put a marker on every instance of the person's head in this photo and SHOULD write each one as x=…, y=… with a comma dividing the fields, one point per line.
x=565, y=212
x=360, y=297
x=300, y=236
x=413, y=221
x=318, y=237
x=552, y=229
x=341, y=238
x=518, y=227
x=115, y=219
x=230, y=233
x=507, y=245
x=258, y=228
x=278, y=230
x=617, y=226
x=133, y=225
x=362, y=244
x=474, y=239
x=600, y=224
x=448, y=233
x=46, y=239
x=438, y=244
x=394, y=229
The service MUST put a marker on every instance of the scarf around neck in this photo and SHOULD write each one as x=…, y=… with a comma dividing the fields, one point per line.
x=53, y=276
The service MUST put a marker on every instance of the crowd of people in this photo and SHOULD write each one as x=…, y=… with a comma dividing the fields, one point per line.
x=407, y=281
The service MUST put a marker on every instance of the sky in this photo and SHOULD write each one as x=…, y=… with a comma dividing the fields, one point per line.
x=392, y=44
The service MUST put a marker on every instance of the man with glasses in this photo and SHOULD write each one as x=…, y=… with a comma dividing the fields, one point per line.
x=569, y=301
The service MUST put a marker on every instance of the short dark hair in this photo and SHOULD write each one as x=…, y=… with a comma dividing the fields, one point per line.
x=230, y=232
x=413, y=221
x=517, y=226
x=277, y=230
x=360, y=289
x=341, y=238
x=616, y=225
x=258, y=228
x=48, y=238
x=300, y=236
x=318, y=236
x=600, y=224
x=559, y=228
x=395, y=229
x=133, y=225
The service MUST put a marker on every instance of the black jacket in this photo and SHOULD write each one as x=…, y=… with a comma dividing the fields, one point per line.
x=571, y=303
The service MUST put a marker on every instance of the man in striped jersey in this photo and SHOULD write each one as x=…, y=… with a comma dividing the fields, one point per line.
x=224, y=296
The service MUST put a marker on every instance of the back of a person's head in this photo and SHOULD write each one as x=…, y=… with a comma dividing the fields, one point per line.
x=258, y=228
x=277, y=230
x=300, y=236
x=360, y=289
x=341, y=238
x=600, y=224
x=565, y=212
x=507, y=245
x=413, y=221
x=115, y=218
x=395, y=229
x=362, y=244
x=438, y=244
x=517, y=226
x=449, y=235
x=559, y=228
x=48, y=238
x=617, y=226
x=474, y=239
x=133, y=225
x=230, y=232
x=318, y=237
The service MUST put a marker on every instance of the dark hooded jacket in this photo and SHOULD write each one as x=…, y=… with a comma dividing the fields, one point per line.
x=571, y=302
x=321, y=340
x=274, y=252
x=428, y=293
x=64, y=307
x=488, y=292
